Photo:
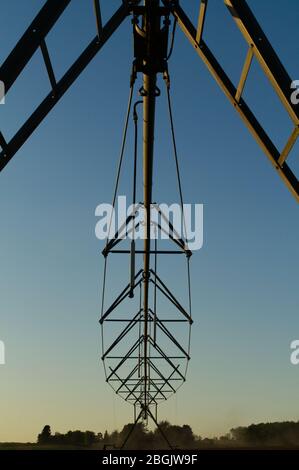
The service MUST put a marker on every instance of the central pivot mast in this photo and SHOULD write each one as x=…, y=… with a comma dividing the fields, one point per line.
x=150, y=44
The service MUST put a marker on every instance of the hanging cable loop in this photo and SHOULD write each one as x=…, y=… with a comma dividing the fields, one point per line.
x=144, y=383
x=175, y=153
x=123, y=144
x=176, y=159
x=135, y=118
x=132, y=264
x=172, y=40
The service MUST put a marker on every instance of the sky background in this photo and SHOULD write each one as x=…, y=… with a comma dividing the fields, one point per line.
x=245, y=278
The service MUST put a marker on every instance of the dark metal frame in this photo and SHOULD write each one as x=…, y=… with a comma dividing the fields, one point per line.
x=144, y=389
x=34, y=38
x=260, y=47
x=134, y=381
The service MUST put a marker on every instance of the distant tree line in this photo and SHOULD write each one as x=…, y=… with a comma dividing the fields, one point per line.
x=283, y=435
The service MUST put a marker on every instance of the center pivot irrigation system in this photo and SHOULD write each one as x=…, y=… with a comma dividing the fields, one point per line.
x=146, y=361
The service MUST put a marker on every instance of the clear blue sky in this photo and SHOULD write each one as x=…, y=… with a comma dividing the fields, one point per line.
x=245, y=279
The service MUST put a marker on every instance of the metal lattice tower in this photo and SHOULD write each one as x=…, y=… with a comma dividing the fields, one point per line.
x=144, y=383
x=146, y=361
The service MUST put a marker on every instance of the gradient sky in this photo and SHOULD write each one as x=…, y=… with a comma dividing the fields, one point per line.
x=245, y=278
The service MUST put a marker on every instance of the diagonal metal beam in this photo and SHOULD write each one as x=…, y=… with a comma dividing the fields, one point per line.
x=201, y=20
x=119, y=299
x=289, y=145
x=30, y=41
x=125, y=380
x=131, y=392
x=264, y=53
x=98, y=15
x=160, y=351
x=162, y=377
x=158, y=390
x=48, y=64
x=131, y=350
x=241, y=107
x=122, y=381
x=164, y=289
x=123, y=333
x=244, y=74
x=163, y=385
x=62, y=85
x=166, y=331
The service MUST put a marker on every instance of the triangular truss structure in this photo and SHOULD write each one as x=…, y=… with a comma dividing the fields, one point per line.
x=137, y=373
x=166, y=372
x=258, y=46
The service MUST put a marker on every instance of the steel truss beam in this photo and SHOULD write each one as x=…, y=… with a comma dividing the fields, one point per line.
x=271, y=65
x=145, y=384
x=31, y=41
x=264, y=53
x=259, y=47
x=34, y=38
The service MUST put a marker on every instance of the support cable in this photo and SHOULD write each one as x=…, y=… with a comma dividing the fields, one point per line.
x=175, y=153
x=123, y=144
x=172, y=39
x=132, y=277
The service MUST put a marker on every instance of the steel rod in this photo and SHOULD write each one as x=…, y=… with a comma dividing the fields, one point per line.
x=150, y=24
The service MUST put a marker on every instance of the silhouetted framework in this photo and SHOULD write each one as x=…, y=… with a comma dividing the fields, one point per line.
x=34, y=38
x=139, y=367
x=258, y=46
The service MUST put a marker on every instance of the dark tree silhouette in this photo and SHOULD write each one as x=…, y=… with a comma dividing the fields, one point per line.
x=45, y=436
x=263, y=435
